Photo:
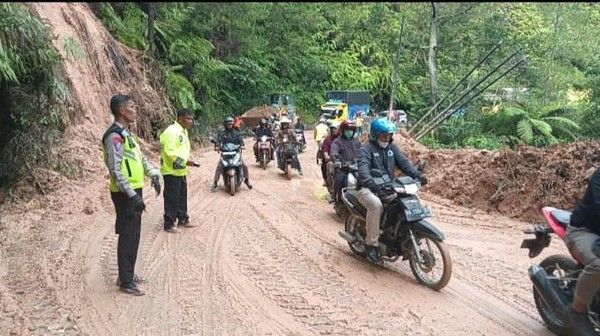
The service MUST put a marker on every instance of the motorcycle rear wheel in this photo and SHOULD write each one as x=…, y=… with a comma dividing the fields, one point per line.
x=350, y=225
x=421, y=270
x=232, y=185
x=557, y=265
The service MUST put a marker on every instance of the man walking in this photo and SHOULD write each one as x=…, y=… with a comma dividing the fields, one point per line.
x=127, y=166
x=174, y=160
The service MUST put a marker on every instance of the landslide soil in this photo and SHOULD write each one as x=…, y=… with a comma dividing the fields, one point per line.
x=267, y=261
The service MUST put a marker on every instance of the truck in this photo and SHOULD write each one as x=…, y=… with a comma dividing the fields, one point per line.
x=345, y=105
x=284, y=103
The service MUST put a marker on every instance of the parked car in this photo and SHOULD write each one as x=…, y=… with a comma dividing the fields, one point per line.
x=398, y=117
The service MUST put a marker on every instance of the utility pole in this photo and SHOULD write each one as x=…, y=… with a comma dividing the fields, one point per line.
x=395, y=69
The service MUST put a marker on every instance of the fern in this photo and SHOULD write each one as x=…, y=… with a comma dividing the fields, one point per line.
x=524, y=130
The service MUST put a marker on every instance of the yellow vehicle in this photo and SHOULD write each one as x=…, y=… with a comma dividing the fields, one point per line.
x=345, y=105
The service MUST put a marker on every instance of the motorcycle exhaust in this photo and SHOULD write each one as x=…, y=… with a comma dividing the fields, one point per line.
x=348, y=237
x=553, y=296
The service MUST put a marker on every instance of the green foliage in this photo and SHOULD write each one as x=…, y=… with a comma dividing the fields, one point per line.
x=33, y=99
x=73, y=48
x=224, y=58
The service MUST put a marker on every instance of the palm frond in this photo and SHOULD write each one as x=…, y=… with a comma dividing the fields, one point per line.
x=541, y=126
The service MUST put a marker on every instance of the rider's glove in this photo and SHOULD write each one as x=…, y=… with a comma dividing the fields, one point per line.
x=423, y=180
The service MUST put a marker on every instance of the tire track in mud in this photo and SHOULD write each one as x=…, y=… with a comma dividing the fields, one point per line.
x=319, y=299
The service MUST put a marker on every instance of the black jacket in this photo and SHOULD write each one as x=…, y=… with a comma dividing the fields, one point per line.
x=230, y=136
x=387, y=159
x=264, y=131
x=587, y=212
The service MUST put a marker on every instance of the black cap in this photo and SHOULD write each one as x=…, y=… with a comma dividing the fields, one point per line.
x=184, y=112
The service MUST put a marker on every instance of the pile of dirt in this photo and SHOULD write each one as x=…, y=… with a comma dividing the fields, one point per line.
x=514, y=183
x=107, y=68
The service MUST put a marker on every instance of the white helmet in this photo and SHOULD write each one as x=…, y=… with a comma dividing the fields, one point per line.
x=284, y=119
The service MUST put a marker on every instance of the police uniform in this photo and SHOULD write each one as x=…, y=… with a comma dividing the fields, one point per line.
x=127, y=167
x=173, y=166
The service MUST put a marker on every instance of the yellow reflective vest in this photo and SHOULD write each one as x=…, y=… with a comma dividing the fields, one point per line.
x=175, y=144
x=132, y=165
x=321, y=131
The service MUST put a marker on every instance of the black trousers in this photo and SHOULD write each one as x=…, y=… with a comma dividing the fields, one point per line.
x=127, y=226
x=175, y=196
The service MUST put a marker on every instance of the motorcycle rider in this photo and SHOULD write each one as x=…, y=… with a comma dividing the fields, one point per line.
x=326, y=149
x=299, y=126
x=345, y=148
x=230, y=135
x=283, y=132
x=320, y=132
x=583, y=237
x=379, y=153
x=263, y=129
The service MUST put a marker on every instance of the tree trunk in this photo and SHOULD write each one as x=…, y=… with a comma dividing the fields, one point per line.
x=395, y=70
x=151, y=18
x=432, y=59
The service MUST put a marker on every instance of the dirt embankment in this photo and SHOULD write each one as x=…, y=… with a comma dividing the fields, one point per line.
x=514, y=183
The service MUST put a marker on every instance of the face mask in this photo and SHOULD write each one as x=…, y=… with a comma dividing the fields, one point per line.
x=382, y=144
x=349, y=134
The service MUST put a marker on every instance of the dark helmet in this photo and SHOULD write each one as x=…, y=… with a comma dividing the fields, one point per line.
x=228, y=121
x=347, y=125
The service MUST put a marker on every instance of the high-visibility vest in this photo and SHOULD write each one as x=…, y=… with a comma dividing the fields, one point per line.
x=175, y=144
x=132, y=166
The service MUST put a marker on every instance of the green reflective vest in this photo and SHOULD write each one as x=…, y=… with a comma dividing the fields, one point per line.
x=175, y=144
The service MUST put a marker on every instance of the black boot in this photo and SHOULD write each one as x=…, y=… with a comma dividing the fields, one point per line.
x=580, y=324
x=373, y=254
x=248, y=184
x=214, y=187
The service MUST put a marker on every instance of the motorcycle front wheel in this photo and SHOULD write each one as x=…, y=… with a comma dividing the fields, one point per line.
x=557, y=266
x=232, y=184
x=263, y=160
x=435, y=269
x=288, y=171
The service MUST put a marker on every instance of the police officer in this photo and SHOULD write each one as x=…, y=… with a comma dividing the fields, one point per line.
x=174, y=160
x=127, y=165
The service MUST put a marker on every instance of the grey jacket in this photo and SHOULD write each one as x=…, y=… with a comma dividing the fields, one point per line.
x=344, y=150
x=386, y=159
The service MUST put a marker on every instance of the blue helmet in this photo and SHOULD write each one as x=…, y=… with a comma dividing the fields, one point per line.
x=381, y=126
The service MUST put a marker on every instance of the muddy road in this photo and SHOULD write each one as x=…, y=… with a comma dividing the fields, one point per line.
x=266, y=261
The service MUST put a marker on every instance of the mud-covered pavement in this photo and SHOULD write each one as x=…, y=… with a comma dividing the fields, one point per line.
x=266, y=261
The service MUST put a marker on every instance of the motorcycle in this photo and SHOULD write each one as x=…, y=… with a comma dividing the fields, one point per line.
x=555, y=278
x=289, y=157
x=264, y=150
x=300, y=137
x=350, y=170
x=404, y=231
x=231, y=158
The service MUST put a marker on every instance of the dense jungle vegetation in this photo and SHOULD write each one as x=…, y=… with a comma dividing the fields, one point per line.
x=223, y=58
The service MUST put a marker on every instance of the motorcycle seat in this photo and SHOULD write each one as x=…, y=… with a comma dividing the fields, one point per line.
x=351, y=195
x=561, y=216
